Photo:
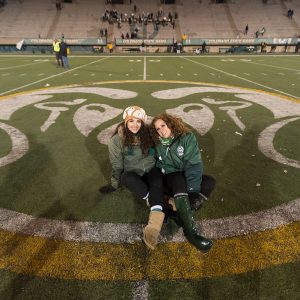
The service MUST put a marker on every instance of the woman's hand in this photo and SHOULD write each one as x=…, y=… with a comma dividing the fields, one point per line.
x=196, y=200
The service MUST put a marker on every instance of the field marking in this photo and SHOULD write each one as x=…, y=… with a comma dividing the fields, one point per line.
x=140, y=290
x=52, y=76
x=145, y=69
x=241, y=78
x=14, y=67
x=129, y=233
x=272, y=66
x=178, y=250
x=114, y=262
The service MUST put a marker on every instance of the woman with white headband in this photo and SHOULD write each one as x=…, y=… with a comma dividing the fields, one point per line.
x=132, y=158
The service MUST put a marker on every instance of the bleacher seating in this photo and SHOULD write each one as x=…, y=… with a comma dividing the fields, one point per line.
x=196, y=18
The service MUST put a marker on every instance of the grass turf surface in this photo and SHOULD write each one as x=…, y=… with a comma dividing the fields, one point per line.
x=68, y=168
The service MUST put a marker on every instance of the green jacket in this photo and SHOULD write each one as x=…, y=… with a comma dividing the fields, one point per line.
x=182, y=155
x=127, y=159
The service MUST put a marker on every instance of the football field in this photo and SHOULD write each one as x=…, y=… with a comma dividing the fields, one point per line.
x=62, y=239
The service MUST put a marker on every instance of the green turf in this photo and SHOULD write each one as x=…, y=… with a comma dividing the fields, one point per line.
x=60, y=175
x=274, y=283
x=278, y=282
x=65, y=167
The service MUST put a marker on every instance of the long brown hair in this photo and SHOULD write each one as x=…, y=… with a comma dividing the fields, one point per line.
x=175, y=124
x=129, y=139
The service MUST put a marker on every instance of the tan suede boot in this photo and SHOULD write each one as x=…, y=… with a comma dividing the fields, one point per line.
x=171, y=202
x=152, y=230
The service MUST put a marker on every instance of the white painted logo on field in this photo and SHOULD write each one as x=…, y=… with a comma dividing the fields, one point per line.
x=197, y=114
x=200, y=116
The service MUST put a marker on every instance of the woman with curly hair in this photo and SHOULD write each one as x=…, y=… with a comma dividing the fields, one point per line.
x=132, y=157
x=179, y=160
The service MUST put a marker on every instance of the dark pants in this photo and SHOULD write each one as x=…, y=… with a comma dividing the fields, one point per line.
x=140, y=185
x=59, y=59
x=175, y=183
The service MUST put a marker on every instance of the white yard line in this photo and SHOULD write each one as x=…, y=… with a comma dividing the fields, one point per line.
x=145, y=69
x=272, y=66
x=141, y=290
x=44, y=79
x=241, y=78
x=98, y=232
x=14, y=67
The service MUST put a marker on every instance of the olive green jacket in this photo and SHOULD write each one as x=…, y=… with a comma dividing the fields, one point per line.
x=125, y=159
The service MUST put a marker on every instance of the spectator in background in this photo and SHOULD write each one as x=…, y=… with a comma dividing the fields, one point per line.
x=58, y=5
x=173, y=23
x=246, y=29
x=64, y=53
x=57, y=52
x=297, y=47
x=110, y=47
x=203, y=47
x=285, y=47
x=263, y=30
x=142, y=47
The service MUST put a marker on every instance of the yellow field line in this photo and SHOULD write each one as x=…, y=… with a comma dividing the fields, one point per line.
x=104, y=261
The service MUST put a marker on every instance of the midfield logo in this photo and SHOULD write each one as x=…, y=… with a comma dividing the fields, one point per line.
x=198, y=115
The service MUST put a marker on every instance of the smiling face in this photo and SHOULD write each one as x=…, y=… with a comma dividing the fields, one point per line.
x=134, y=125
x=162, y=129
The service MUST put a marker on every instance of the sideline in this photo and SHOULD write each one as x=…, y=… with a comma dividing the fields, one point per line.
x=52, y=76
x=241, y=78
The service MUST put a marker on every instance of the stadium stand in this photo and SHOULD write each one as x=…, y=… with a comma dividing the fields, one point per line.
x=196, y=19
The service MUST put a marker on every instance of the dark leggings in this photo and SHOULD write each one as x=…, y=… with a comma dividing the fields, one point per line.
x=140, y=185
x=175, y=183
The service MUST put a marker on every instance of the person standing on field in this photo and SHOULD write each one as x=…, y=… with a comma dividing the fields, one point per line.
x=64, y=53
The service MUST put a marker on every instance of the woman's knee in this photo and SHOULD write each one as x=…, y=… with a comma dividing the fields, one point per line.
x=129, y=179
x=207, y=185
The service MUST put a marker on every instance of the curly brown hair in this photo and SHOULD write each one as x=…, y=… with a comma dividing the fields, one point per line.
x=130, y=139
x=175, y=124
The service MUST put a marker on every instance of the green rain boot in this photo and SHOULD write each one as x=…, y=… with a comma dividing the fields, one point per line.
x=186, y=216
